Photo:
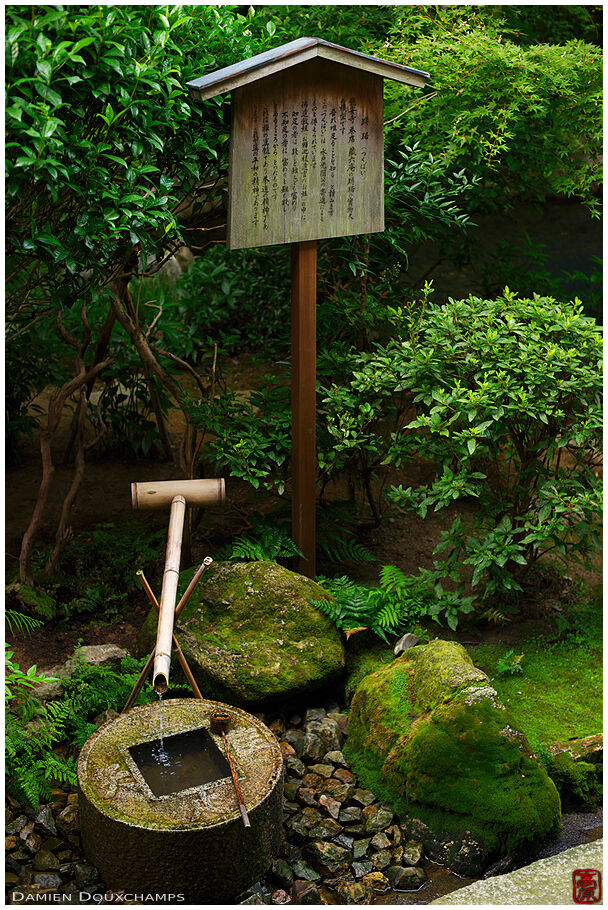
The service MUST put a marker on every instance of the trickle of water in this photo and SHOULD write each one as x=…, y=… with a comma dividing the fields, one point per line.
x=161, y=756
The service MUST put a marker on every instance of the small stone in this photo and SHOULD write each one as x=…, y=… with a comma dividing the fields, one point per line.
x=336, y=757
x=44, y=859
x=350, y=815
x=84, y=874
x=323, y=770
x=297, y=740
x=381, y=842
x=304, y=892
x=325, y=731
x=307, y=796
x=338, y=790
x=326, y=829
x=330, y=804
x=290, y=788
x=289, y=808
x=364, y=797
x=52, y=843
x=67, y=869
x=313, y=747
x=280, y=897
x=341, y=720
x=412, y=853
x=10, y=843
x=312, y=780
x=398, y=856
x=354, y=893
x=360, y=848
x=254, y=899
x=314, y=714
x=405, y=878
x=26, y=830
x=295, y=720
x=326, y=857
x=378, y=881
x=303, y=870
x=409, y=640
x=361, y=868
x=13, y=803
x=345, y=841
x=381, y=859
x=33, y=843
x=72, y=799
x=376, y=819
x=295, y=766
x=10, y=879
x=347, y=777
x=394, y=832
x=67, y=820
x=290, y=852
x=277, y=726
x=287, y=749
x=45, y=820
x=282, y=872
x=48, y=880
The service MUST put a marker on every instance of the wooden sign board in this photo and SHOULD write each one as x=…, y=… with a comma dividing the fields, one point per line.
x=306, y=156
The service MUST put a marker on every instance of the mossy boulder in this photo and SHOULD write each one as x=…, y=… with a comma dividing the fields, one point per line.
x=429, y=735
x=251, y=635
x=576, y=770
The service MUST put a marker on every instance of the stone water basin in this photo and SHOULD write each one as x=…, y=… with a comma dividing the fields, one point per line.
x=191, y=841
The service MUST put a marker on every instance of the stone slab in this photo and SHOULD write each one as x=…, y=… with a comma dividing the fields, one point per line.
x=547, y=881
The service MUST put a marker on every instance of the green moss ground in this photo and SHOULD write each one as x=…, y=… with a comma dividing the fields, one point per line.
x=559, y=693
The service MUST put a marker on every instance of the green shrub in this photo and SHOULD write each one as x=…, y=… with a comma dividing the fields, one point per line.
x=505, y=397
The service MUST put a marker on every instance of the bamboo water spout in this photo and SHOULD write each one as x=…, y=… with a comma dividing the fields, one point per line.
x=178, y=494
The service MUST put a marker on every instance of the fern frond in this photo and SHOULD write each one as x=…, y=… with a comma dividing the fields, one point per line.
x=20, y=621
x=392, y=578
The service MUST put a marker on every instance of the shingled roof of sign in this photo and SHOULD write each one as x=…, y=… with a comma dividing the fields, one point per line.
x=280, y=58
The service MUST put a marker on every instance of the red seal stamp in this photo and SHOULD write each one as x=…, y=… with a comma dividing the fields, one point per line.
x=586, y=886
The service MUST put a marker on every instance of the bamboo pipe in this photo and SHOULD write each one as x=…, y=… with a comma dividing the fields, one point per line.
x=183, y=601
x=180, y=654
x=159, y=494
x=168, y=596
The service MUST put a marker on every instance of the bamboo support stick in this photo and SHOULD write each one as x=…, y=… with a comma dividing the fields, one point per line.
x=168, y=596
x=180, y=654
x=182, y=603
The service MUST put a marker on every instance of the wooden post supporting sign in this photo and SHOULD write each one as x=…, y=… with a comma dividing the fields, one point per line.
x=306, y=163
x=303, y=404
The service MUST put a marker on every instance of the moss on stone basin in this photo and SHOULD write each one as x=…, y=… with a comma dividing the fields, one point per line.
x=251, y=635
x=429, y=734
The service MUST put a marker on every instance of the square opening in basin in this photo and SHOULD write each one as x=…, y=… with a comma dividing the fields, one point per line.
x=180, y=761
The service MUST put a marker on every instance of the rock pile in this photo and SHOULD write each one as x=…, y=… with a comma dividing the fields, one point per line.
x=341, y=843
x=43, y=852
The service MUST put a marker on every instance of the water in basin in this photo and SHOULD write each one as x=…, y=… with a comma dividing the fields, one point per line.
x=180, y=761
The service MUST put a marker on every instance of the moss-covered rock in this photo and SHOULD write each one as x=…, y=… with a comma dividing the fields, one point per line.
x=30, y=600
x=428, y=734
x=579, y=782
x=251, y=636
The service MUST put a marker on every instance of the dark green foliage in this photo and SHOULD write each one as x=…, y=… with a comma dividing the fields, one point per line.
x=386, y=610
x=266, y=542
x=526, y=118
x=96, y=573
x=31, y=733
x=91, y=690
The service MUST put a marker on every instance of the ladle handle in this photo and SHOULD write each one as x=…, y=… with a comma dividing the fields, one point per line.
x=235, y=781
